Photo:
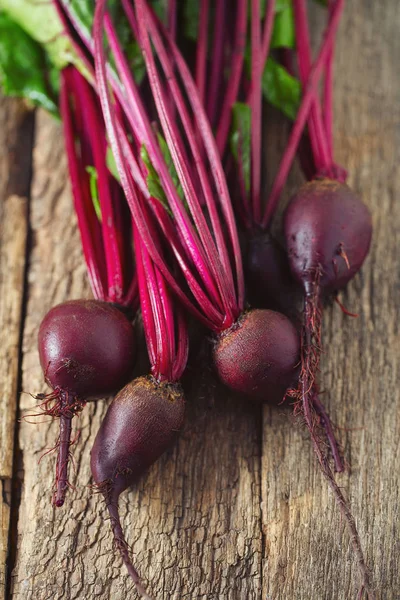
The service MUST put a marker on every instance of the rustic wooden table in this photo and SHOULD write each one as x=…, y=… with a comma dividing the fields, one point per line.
x=238, y=509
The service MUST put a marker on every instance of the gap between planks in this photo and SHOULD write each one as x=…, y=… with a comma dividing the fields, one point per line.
x=16, y=142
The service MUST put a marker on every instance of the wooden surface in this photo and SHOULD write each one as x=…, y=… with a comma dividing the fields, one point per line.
x=237, y=510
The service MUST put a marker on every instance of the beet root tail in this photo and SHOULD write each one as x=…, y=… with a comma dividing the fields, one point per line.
x=327, y=426
x=123, y=549
x=65, y=408
x=63, y=456
x=313, y=411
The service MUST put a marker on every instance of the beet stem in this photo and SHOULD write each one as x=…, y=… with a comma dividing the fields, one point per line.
x=215, y=164
x=217, y=54
x=303, y=47
x=172, y=18
x=256, y=109
x=328, y=91
x=232, y=89
x=98, y=145
x=201, y=52
x=268, y=28
x=90, y=248
x=124, y=551
x=302, y=115
x=220, y=269
x=118, y=142
x=310, y=355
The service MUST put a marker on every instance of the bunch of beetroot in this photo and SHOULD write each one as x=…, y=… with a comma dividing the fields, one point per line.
x=327, y=229
x=158, y=226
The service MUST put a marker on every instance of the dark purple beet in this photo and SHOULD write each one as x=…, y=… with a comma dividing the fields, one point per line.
x=328, y=234
x=327, y=228
x=269, y=281
x=258, y=355
x=140, y=424
x=87, y=350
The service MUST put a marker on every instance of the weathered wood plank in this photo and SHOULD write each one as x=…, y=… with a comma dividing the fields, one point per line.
x=194, y=521
x=307, y=552
x=15, y=151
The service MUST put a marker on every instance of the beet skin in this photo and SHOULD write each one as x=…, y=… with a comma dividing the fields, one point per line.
x=87, y=348
x=258, y=355
x=327, y=227
x=140, y=424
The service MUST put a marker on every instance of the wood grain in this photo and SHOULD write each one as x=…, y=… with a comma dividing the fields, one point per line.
x=306, y=547
x=237, y=510
x=15, y=144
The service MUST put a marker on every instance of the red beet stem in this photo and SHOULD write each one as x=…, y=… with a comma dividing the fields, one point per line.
x=328, y=91
x=316, y=128
x=217, y=58
x=90, y=242
x=168, y=355
x=255, y=106
x=123, y=549
x=110, y=233
x=119, y=145
x=172, y=18
x=212, y=155
x=218, y=258
x=232, y=89
x=302, y=115
x=201, y=49
x=268, y=28
x=196, y=250
x=310, y=355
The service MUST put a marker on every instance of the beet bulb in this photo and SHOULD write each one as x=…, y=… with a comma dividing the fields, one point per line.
x=328, y=231
x=87, y=350
x=259, y=355
x=140, y=424
x=328, y=234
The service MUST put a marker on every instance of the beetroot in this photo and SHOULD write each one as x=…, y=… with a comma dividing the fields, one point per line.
x=258, y=355
x=328, y=234
x=140, y=424
x=87, y=350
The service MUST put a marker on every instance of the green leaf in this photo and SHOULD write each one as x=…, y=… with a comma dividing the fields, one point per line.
x=280, y=5
x=153, y=181
x=154, y=184
x=283, y=33
x=40, y=20
x=170, y=165
x=83, y=11
x=94, y=189
x=240, y=140
x=160, y=8
x=281, y=89
x=191, y=18
x=111, y=164
x=24, y=69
